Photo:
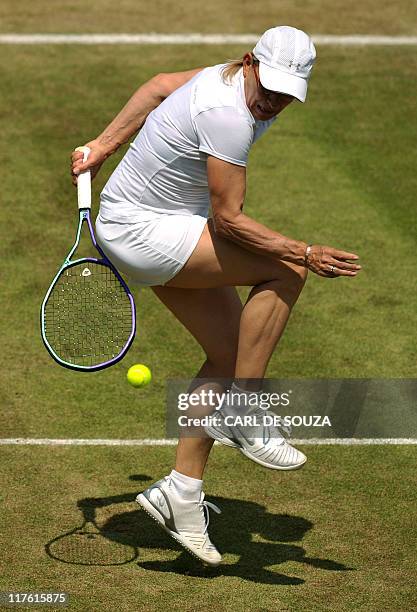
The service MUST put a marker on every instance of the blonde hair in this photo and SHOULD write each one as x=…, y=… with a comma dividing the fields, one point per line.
x=232, y=67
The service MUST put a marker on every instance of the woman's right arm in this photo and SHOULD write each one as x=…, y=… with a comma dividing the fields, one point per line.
x=130, y=119
x=227, y=186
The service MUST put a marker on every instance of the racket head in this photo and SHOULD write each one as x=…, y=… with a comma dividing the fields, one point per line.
x=88, y=318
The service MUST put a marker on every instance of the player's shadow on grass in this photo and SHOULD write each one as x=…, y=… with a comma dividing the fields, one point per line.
x=245, y=529
x=260, y=540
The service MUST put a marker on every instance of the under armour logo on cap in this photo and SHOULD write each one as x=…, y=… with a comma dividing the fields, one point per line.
x=293, y=65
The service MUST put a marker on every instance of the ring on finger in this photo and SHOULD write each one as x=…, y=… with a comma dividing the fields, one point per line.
x=332, y=269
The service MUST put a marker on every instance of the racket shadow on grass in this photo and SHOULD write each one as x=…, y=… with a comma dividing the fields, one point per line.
x=89, y=544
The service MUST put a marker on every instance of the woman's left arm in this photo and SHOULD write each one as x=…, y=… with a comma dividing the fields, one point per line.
x=130, y=119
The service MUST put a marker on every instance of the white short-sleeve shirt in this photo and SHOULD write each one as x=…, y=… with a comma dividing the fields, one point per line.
x=165, y=168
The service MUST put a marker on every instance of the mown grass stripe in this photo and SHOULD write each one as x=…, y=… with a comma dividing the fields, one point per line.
x=190, y=39
x=173, y=442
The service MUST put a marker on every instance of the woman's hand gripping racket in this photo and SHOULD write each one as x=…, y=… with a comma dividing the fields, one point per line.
x=88, y=314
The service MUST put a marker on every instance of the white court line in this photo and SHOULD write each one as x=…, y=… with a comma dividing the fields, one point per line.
x=85, y=442
x=173, y=442
x=189, y=39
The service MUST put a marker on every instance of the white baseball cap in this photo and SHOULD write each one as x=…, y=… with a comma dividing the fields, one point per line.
x=286, y=57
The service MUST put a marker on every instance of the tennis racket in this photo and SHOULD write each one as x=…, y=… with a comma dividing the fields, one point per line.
x=88, y=319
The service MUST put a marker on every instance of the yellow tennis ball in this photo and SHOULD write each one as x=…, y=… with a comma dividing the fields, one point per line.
x=139, y=375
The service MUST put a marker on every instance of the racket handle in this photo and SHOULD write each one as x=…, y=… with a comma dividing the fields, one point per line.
x=84, y=182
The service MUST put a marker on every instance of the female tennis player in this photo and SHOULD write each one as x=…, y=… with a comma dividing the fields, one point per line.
x=191, y=153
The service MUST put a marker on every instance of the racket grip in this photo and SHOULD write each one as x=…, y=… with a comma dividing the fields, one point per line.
x=84, y=182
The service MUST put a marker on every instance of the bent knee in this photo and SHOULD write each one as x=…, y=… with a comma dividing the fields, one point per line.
x=292, y=277
x=294, y=282
x=289, y=282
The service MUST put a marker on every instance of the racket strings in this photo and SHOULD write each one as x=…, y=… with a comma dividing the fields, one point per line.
x=88, y=316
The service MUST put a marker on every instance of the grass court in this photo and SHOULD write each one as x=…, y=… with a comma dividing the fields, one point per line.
x=339, y=170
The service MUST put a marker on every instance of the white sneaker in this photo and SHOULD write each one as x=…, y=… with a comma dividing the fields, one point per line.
x=186, y=521
x=263, y=444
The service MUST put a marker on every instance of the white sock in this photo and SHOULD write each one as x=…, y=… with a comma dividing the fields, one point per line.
x=238, y=406
x=185, y=486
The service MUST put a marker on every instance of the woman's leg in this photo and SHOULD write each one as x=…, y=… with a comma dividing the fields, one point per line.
x=238, y=343
x=216, y=262
x=212, y=316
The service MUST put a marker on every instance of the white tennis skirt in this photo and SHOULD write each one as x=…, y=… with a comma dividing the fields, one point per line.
x=152, y=250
